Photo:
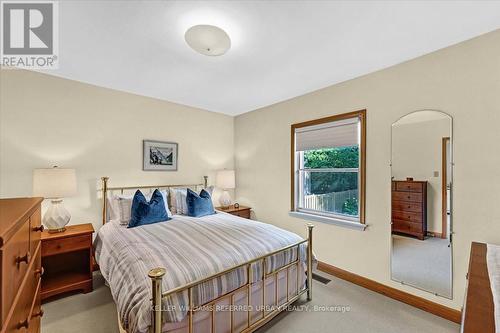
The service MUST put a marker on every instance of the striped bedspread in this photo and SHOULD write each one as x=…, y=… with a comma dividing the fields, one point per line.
x=189, y=249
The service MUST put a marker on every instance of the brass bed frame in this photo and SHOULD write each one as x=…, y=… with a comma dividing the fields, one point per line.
x=156, y=275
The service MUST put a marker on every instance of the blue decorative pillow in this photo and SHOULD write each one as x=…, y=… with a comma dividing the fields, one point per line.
x=199, y=205
x=144, y=212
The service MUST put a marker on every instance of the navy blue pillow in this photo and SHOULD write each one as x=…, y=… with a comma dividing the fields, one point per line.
x=199, y=205
x=144, y=212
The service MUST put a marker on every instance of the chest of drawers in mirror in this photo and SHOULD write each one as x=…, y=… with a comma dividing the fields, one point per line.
x=409, y=208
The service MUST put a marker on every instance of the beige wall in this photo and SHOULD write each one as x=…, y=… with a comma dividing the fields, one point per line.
x=416, y=153
x=47, y=121
x=463, y=80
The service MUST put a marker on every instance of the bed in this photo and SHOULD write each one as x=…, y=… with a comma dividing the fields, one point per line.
x=217, y=273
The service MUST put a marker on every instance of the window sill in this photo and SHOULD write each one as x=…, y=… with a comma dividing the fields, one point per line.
x=329, y=220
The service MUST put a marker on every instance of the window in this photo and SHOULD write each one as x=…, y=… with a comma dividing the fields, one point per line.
x=328, y=167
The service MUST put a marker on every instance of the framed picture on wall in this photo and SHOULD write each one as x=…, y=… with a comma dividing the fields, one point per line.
x=159, y=156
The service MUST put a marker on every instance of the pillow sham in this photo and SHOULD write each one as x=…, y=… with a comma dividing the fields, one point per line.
x=145, y=212
x=178, y=196
x=173, y=199
x=119, y=206
x=199, y=205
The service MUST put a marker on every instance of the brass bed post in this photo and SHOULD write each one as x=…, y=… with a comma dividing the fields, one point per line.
x=156, y=275
x=310, y=227
x=104, y=181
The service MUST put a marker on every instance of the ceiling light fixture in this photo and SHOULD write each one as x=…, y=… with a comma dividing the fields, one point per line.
x=208, y=40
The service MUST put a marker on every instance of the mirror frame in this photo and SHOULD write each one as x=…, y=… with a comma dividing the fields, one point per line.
x=452, y=165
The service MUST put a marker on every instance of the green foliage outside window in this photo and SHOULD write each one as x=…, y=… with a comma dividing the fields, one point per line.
x=350, y=207
x=343, y=157
x=328, y=182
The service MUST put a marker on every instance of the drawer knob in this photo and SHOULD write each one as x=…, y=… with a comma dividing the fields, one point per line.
x=24, y=323
x=39, y=228
x=38, y=314
x=25, y=259
x=39, y=271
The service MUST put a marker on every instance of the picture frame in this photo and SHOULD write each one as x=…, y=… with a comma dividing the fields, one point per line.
x=159, y=155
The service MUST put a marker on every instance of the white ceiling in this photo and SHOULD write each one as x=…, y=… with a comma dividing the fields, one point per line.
x=280, y=49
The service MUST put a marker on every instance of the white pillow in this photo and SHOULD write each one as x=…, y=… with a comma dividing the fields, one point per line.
x=120, y=206
x=173, y=200
x=164, y=194
x=180, y=195
x=112, y=209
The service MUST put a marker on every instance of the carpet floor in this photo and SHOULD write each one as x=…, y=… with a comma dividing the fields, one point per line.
x=423, y=264
x=364, y=311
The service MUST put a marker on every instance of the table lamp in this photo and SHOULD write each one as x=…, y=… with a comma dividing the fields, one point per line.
x=55, y=183
x=224, y=180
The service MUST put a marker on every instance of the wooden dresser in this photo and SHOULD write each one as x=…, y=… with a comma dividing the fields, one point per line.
x=409, y=208
x=20, y=249
x=478, y=314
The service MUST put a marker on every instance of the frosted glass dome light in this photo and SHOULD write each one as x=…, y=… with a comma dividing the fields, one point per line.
x=208, y=40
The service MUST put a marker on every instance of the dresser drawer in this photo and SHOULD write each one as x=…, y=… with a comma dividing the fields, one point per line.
x=407, y=196
x=35, y=229
x=407, y=216
x=24, y=309
x=407, y=206
x=15, y=262
x=407, y=227
x=63, y=245
x=36, y=312
x=409, y=187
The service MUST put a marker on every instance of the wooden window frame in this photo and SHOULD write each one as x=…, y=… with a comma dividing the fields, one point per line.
x=361, y=114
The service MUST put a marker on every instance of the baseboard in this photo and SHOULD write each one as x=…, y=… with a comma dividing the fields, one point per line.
x=434, y=234
x=399, y=295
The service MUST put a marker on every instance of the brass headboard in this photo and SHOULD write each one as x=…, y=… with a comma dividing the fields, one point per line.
x=105, y=189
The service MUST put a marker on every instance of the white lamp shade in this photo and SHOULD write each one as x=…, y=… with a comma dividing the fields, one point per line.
x=225, y=179
x=54, y=183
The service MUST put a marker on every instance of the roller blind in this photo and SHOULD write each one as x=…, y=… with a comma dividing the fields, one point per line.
x=341, y=133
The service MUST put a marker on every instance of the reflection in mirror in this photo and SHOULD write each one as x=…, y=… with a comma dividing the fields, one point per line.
x=421, y=166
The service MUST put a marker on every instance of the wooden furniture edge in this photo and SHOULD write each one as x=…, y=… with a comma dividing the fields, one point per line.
x=86, y=228
x=399, y=295
x=233, y=209
x=84, y=285
x=8, y=233
x=479, y=307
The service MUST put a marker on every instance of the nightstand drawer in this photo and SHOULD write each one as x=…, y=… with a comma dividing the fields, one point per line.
x=243, y=213
x=64, y=245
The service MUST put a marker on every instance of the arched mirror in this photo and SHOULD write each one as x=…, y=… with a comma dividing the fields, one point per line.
x=421, y=193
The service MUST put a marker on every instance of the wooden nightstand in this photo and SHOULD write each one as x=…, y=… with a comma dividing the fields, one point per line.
x=241, y=211
x=67, y=260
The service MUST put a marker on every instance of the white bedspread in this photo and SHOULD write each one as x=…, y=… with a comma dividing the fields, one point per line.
x=493, y=262
x=189, y=249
